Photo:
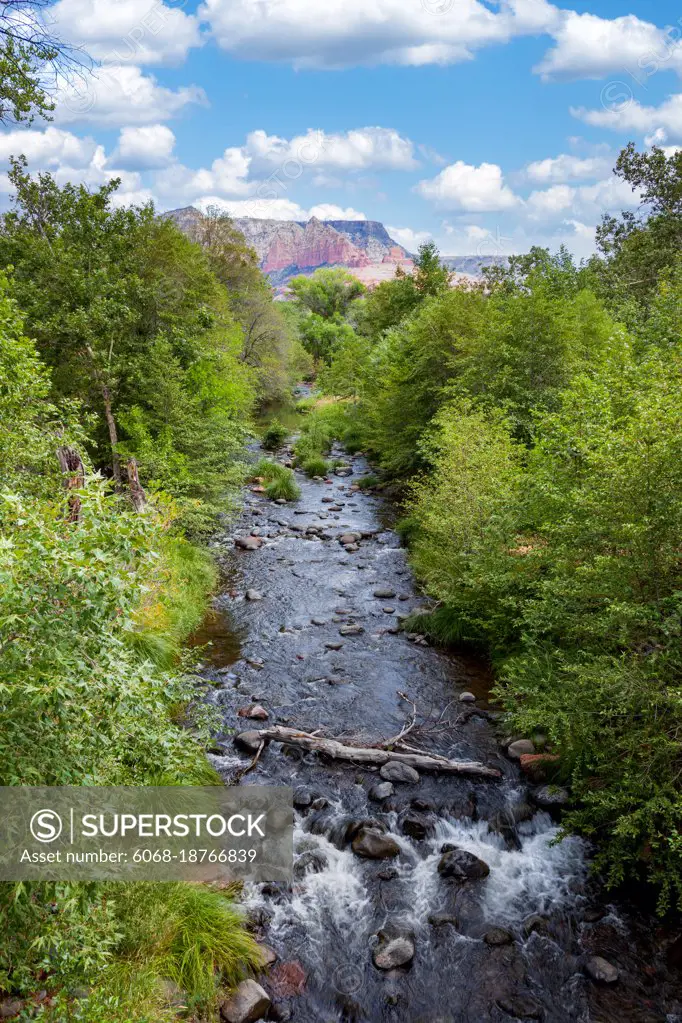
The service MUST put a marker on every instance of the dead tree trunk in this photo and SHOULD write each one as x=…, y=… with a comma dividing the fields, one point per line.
x=135, y=489
x=371, y=755
x=113, y=435
x=74, y=479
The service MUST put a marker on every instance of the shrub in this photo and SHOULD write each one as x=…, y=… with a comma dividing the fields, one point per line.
x=274, y=436
x=280, y=482
x=315, y=467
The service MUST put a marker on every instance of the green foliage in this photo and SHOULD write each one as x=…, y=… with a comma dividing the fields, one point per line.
x=322, y=337
x=280, y=482
x=315, y=467
x=274, y=436
x=28, y=54
x=326, y=293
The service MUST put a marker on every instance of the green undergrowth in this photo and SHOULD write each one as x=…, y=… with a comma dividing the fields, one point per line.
x=280, y=482
x=274, y=436
x=315, y=466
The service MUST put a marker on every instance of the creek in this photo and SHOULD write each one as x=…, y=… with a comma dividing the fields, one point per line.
x=284, y=650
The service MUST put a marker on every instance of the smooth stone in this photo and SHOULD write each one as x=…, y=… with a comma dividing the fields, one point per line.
x=318, y=621
x=333, y=646
x=269, y=955
x=415, y=825
x=303, y=798
x=249, y=742
x=398, y=952
x=349, y=538
x=247, y=1004
x=467, y=698
x=442, y=919
x=384, y=592
x=372, y=845
x=382, y=791
x=462, y=866
x=255, y=712
x=601, y=970
x=248, y=543
x=517, y=749
x=497, y=936
x=394, y=770
x=351, y=630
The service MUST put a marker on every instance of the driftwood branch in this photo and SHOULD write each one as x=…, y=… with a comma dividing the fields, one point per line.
x=368, y=755
x=73, y=469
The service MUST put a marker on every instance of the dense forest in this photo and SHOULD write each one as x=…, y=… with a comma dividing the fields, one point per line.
x=530, y=424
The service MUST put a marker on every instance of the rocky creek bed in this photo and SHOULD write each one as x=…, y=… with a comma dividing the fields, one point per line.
x=419, y=897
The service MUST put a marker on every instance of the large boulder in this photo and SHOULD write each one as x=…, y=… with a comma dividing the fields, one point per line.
x=395, y=953
x=372, y=845
x=395, y=770
x=517, y=749
x=550, y=797
x=462, y=866
x=249, y=742
x=247, y=1004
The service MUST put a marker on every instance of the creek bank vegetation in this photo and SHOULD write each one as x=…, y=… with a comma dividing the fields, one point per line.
x=533, y=427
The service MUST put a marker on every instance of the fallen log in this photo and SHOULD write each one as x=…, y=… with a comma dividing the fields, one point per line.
x=368, y=755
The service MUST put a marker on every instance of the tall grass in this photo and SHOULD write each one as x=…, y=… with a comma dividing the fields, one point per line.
x=280, y=482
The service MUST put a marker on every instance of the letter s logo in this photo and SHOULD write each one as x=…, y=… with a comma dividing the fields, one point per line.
x=46, y=826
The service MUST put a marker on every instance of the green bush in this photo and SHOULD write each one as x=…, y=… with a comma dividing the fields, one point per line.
x=274, y=436
x=315, y=467
x=280, y=482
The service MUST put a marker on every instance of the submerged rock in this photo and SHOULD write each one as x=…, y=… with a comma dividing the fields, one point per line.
x=381, y=791
x=521, y=1007
x=498, y=936
x=398, y=952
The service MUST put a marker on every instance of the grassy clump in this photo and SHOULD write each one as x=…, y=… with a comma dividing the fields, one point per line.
x=367, y=482
x=280, y=482
x=274, y=436
x=315, y=466
x=306, y=405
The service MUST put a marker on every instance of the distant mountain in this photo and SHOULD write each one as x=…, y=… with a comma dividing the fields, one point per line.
x=289, y=247
x=286, y=248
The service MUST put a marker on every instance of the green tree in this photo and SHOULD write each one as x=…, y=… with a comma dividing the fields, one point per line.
x=326, y=293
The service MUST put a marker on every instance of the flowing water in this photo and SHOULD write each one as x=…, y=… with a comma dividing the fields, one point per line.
x=285, y=652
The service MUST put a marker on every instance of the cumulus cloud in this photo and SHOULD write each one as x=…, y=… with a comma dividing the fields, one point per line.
x=663, y=121
x=409, y=239
x=587, y=202
x=121, y=94
x=146, y=147
x=359, y=149
x=342, y=33
x=588, y=46
x=559, y=169
x=46, y=149
x=124, y=31
x=329, y=211
x=462, y=186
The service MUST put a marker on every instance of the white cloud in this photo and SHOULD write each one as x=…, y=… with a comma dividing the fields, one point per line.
x=588, y=46
x=341, y=33
x=121, y=94
x=587, y=202
x=409, y=239
x=662, y=121
x=48, y=148
x=261, y=209
x=359, y=149
x=559, y=169
x=145, y=147
x=123, y=31
x=462, y=186
x=329, y=211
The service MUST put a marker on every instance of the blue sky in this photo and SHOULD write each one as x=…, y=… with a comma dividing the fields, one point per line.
x=488, y=126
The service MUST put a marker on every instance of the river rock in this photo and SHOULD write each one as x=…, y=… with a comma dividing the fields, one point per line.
x=382, y=791
x=415, y=825
x=384, y=592
x=248, y=742
x=551, y=796
x=351, y=548
x=255, y=712
x=497, y=936
x=309, y=863
x=372, y=845
x=398, y=952
x=254, y=595
x=247, y=1004
x=443, y=919
x=268, y=955
x=10, y=1007
x=349, y=538
x=467, y=698
x=351, y=630
x=516, y=749
x=395, y=770
x=248, y=543
x=318, y=621
x=303, y=798
x=521, y=1007
x=539, y=767
x=601, y=970
x=535, y=924
x=462, y=866
x=333, y=646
